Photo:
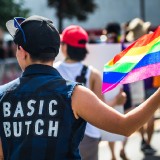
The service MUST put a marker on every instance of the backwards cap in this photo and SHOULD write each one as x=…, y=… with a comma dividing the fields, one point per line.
x=75, y=36
x=36, y=34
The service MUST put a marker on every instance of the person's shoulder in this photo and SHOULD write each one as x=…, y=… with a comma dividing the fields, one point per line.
x=80, y=90
x=9, y=86
x=94, y=71
x=57, y=64
x=82, y=98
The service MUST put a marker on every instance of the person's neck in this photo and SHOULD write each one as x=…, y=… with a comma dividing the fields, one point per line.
x=68, y=60
x=42, y=63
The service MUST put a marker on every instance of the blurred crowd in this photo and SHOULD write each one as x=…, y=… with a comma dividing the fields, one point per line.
x=7, y=49
x=115, y=32
x=7, y=46
x=9, y=68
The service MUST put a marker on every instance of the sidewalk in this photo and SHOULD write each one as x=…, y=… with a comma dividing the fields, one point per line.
x=133, y=151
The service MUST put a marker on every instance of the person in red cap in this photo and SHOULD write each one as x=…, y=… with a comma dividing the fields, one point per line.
x=42, y=115
x=73, y=45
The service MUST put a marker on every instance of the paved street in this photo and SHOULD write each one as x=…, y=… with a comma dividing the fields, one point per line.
x=133, y=147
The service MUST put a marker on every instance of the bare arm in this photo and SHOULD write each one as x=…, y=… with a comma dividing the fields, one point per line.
x=88, y=106
x=95, y=82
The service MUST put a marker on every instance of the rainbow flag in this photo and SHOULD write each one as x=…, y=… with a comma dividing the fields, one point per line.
x=138, y=61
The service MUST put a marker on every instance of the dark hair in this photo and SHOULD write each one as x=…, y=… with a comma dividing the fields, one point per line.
x=41, y=57
x=113, y=27
x=76, y=53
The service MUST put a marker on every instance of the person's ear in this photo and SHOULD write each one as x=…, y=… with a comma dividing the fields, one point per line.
x=24, y=53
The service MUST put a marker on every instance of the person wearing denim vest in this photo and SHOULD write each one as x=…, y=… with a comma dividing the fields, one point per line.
x=36, y=114
x=36, y=117
x=42, y=116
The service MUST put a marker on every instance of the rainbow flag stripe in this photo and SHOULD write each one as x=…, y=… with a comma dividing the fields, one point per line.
x=138, y=61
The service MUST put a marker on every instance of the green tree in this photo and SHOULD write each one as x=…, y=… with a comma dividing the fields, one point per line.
x=72, y=9
x=10, y=9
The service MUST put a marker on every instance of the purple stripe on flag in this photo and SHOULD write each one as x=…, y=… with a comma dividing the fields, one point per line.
x=142, y=73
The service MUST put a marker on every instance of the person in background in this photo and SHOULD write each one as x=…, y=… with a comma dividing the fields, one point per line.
x=43, y=116
x=2, y=51
x=126, y=88
x=124, y=32
x=127, y=107
x=73, y=45
x=137, y=28
x=92, y=38
x=113, y=33
x=10, y=49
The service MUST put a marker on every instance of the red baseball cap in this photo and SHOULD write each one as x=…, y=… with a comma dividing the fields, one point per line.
x=74, y=36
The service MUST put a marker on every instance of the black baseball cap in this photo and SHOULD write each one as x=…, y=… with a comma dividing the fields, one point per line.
x=36, y=34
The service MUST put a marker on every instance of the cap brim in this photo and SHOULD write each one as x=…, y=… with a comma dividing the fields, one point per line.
x=10, y=27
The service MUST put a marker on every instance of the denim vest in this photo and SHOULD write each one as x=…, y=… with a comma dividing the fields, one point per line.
x=36, y=118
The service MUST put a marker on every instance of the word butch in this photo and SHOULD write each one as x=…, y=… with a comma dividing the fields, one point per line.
x=34, y=117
